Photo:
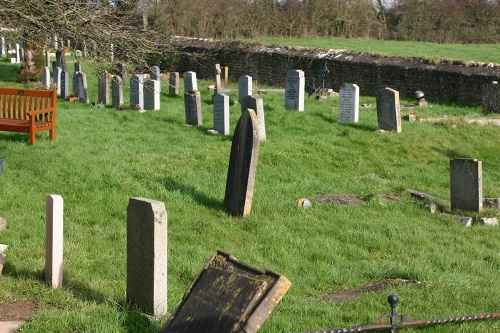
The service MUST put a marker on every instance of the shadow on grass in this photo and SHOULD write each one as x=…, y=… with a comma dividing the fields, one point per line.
x=325, y=118
x=197, y=196
x=14, y=137
x=450, y=153
x=362, y=127
x=8, y=72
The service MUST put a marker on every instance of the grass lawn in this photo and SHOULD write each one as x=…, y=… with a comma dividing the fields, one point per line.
x=102, y=157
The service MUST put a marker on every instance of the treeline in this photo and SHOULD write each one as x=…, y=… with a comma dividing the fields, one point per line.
x=441, y=21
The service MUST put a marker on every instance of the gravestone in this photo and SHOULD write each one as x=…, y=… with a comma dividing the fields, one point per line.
x=348, y=103
x=228, y=296
x=54, y=240
x=173, y=83
x=46, y=78
x=190, y=82
x=83, y=95
x=218, y=86
x=242, y=165
x=57, y=79
x=4, y=52
x=47, y=59
x=491, y=98
x=466, y=184
x=137, y=91
x=58, y=58
x=221, y=113
x=76, y=89
x=192, y=107
x=152, y=95
x=388, y=110
x=256, y=104
x=103, y=88
x=117, y=91
x=78, y=67
x=122, y=73
x=64, y=84
x=155, y=73
x=244, y=86
x=147, y=248
x=294, y=90
x=18, y=54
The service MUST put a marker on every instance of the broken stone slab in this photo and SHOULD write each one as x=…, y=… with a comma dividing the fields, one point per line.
x=434, y=203
x=341, y=199
x=491, y=203
x=465, y=220
x=489, y=220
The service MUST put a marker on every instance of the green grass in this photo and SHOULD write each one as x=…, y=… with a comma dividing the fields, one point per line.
x=102, y=157
x=465, y=52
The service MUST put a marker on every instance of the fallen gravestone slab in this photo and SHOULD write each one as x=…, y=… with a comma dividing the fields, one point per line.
x=341, y=199
x=228, y=296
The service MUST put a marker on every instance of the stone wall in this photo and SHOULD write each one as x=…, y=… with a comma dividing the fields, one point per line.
x=446, y=82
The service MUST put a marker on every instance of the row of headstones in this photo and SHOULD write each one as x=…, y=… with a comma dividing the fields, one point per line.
x=17, y=51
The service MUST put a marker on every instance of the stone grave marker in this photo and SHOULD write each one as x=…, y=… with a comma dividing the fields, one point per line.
x=226, y=74
x=151, y=92
x=173, y=83
x=491, y=98
x=47, y=59
x=192, y=107
x=18, y=54
x=244, y=86
x=388, y=110
x=117, y=91
x=57, y=79
x=46, y=77
x=218, y=85
x=78, y=67
x=83, y=95
x=256, y=104
x=76, y=89
x=54, y=240
x=122, y=72
x=228, y=296
x=190, y=82
x=155, y=73
x=242, y=165
x=137, y=91
x=348, y=103
x=103, y=88
x=4, y=53
x=466, y=184
x=147, y=249
x=294, y=90
x=64, y=84
x=58, y=58
x=221, y=113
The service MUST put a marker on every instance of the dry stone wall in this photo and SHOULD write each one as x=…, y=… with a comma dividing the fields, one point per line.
x=268, y=65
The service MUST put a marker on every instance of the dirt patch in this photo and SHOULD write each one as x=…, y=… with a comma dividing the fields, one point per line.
x=17, y=311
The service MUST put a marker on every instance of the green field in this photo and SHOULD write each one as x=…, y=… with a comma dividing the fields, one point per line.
x=102, y=157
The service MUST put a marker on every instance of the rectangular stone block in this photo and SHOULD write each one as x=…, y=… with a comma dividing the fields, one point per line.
x=466, y=184
x=388, y=110
x=348, y=103
x=54, y=240
x=192, y=107
x=294, y=90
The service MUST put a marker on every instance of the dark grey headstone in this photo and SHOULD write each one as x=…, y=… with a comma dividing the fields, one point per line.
x=64, y=84
x=242, y=165
x=388, y=110
x=190, y=81
x=221, y=113
x=173, y=83
x=151, y=92
x=103, y=88
x=117, y=91
x=83, y=94
x=122, y=72
x=466, y=184
x=491, y=98
x=192, y=107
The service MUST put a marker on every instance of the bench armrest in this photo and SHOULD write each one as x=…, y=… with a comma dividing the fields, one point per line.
x=42, y=111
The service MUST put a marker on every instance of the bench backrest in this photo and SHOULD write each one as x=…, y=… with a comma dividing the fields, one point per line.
x=15, y=103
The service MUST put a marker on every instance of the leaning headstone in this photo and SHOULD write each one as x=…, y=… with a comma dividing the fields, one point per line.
x=242, y=165
x=147, y=248
x=388, y=110
x=491, y=98
x=155, y=73
x=54, y=240
x=83, y=95
x=348, y=103
x=57, y=79
x=173, y=83
x=64, y=84
x=46, y=78
x=244, y=86
x=221, y=113
x=151, y=92
x=117, y=91
x=192, y=107
x=256, y=104
x=137, y=91
x=228, y=296
x=218, y=85
x=294, y=90
x=466, y=184
x=190, y=82
x=103, y=88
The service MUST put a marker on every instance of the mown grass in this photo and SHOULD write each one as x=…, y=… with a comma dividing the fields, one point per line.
x=464, y=52
x=102, y=157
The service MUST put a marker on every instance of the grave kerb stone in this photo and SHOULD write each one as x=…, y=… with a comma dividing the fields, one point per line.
x=54, y=240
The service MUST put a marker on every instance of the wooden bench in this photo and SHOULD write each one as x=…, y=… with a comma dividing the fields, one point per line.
x=28, y=111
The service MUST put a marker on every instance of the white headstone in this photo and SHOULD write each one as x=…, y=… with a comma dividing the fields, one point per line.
x=244, y=86
x=294, y=91
x=4, y=54
x=221, y=113
x=54, y=240
x=137, y=91
x=348, y=103
x=18, y=54
x=190, y=82
x=57, y=79
x=151, y=92
x=46, y=77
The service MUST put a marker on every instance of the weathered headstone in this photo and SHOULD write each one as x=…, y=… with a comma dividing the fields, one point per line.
x=103, y=88
x=57, y=79
x=47, y=59
x=221, y=113
x=173, y=83
x=244, y=86
x=466, y=184
x=388, y=110
x=491, y=98
x=137, y=91
x=218, y=85
x=294, y=90
x=192, y=107
x=155, y=73
x=147, y=248
x=256, y=104
x=54, y=240
x=190, y=82
x=152, y=95
x=242, y=165
x=117, y=91
x=83, y=95
x=46, y=78
x=122, y=72
x=348, y=103
x=228, y=296
x=64, y=84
